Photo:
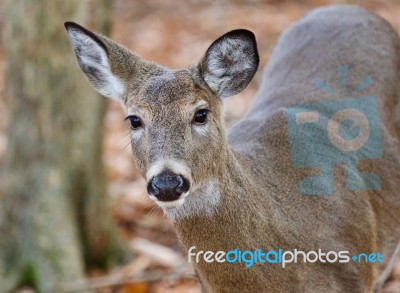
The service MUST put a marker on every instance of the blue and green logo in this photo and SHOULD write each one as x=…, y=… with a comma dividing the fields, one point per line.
x=344, y=130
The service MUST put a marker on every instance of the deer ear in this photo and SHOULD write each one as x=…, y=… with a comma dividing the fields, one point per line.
x=230, y=62
x=92, y=53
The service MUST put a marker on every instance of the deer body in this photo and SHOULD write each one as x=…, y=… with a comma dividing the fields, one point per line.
x=240, y=190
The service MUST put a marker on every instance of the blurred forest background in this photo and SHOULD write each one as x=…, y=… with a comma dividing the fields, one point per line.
x=74, y=214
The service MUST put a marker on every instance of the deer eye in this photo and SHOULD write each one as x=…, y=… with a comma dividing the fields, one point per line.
x=201, y=116
x=136, y=122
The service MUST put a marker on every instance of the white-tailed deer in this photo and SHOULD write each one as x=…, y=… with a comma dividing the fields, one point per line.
x=314, y=164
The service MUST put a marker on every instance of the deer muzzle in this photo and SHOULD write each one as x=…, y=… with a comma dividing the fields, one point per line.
x=168, y=186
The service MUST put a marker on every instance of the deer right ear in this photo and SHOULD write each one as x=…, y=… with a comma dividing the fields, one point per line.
x=230, y=63
x=93, y=57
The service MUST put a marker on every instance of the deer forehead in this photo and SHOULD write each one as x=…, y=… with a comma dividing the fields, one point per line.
x=175, y=91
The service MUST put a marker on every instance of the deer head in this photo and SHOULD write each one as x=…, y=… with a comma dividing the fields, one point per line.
x=177, y=131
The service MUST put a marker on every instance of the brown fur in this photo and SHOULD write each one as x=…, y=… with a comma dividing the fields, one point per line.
x=259, y=204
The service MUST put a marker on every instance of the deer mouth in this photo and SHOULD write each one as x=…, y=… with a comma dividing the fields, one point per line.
x=169, y=205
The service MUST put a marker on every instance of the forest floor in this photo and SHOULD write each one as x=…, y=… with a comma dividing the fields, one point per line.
x=176, y=34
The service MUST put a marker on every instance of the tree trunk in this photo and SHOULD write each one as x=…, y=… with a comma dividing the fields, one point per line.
x=54, y=220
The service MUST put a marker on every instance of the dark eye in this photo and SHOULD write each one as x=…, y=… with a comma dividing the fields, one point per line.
x=136, y=122
x=201, y=116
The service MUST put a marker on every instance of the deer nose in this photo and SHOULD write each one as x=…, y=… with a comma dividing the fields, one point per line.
x=167, y=186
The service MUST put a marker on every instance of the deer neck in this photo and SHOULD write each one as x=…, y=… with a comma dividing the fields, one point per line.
x=215, y=209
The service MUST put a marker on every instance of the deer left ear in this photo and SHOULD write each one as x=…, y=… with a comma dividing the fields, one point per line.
x=230, y=63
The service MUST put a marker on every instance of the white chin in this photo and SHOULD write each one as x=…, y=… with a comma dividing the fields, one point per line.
x=169, y=204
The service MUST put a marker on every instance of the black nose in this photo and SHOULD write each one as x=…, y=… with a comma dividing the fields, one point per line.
x=168, y=186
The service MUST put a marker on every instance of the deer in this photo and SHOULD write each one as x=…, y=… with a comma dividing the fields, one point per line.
x=290, y=174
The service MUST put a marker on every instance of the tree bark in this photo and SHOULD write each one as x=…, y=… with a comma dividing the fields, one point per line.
x=54, y=220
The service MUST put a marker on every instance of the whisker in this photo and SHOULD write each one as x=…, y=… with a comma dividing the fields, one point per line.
x=125, y=143
x=154, y=210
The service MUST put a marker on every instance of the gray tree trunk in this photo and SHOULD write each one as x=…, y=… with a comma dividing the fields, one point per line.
x=54, y=221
